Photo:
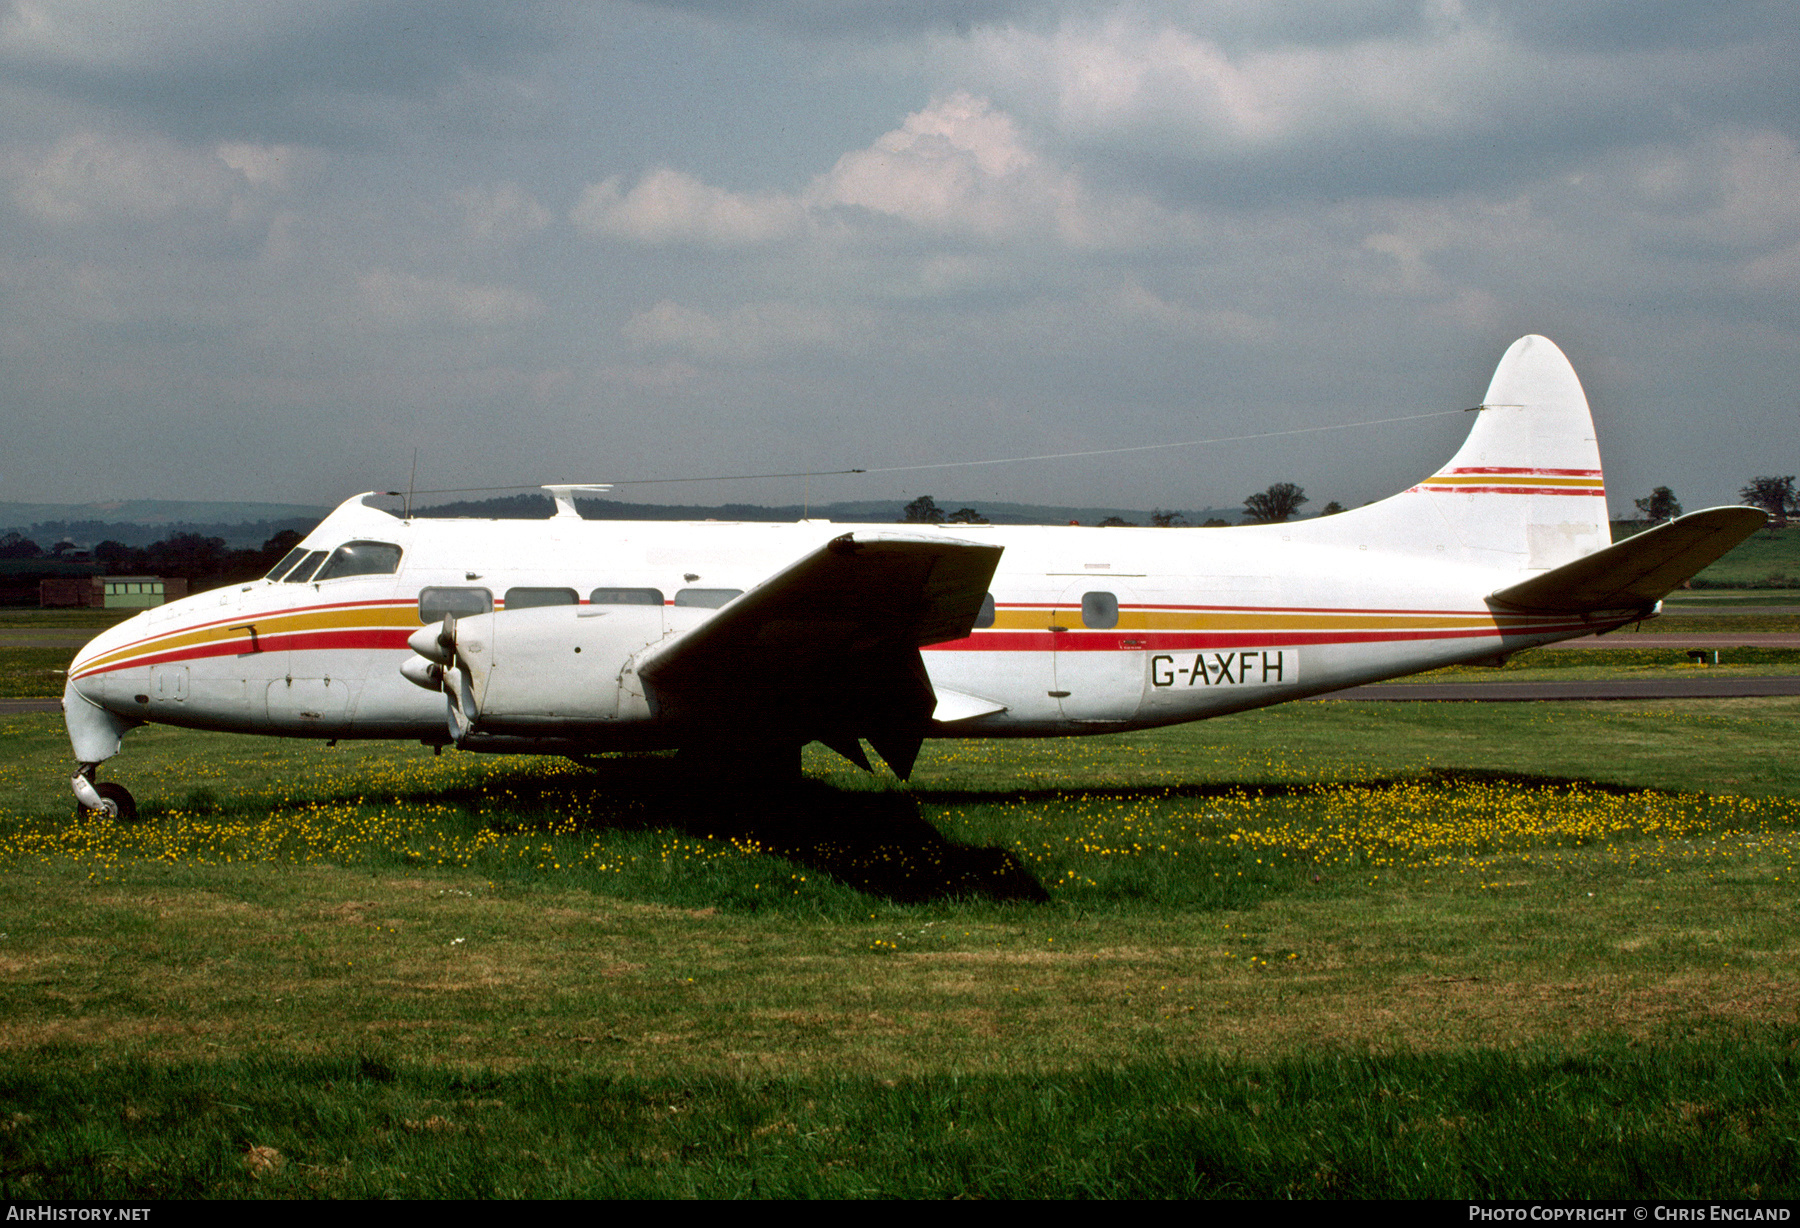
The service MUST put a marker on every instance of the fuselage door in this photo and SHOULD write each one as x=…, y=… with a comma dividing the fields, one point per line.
x=1100, y=650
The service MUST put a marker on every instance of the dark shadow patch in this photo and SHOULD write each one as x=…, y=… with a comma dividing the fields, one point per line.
x=875, y=842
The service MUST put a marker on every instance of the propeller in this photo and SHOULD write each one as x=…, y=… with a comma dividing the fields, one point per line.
x=443, y=668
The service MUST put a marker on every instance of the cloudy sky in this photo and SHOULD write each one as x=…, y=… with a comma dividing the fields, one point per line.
x=265, y=250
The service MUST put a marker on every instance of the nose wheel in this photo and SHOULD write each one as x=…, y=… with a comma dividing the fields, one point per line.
x=107, y=797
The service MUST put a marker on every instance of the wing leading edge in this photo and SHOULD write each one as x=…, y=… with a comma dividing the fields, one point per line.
x=828, y=647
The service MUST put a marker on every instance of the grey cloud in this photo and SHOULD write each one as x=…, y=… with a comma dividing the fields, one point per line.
x=1456, y=105
x=857, y=18
x=309, y=71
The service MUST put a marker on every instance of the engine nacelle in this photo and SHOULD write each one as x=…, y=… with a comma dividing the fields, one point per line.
x=545, y=671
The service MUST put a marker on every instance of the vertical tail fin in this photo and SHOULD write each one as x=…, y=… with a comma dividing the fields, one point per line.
x=1525, y=491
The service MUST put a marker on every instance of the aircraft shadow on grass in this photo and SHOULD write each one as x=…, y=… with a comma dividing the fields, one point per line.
x=875, y=842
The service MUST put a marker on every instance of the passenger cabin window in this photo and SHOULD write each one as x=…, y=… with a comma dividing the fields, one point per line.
x=308, y=565
x=985, y=619
x=434, y=603
x=531, y=598
x=287, y=561
x=709, y=598
x=626, y=596
x=361, y=559
x=1099, y=611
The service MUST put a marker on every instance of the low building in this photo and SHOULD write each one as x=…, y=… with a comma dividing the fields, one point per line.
x=110, y=592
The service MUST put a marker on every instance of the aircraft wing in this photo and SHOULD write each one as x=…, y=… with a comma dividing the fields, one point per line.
x=828, y=647
x=1639, y=571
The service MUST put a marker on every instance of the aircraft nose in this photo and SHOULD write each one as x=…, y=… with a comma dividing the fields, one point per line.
x=89, y=687
x=83, y=680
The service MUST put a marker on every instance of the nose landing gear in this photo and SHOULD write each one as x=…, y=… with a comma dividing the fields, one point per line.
x=103, y=798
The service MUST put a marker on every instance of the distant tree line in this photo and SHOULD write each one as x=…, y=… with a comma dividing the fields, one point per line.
x=924, y=510
x=204, y=562
x=1775, y=496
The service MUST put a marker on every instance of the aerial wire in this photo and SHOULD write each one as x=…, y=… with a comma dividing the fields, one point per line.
x=1001, y=460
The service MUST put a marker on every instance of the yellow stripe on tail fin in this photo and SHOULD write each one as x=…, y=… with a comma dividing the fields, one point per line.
x=1524, y=493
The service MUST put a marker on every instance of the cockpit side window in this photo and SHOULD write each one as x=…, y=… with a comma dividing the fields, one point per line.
x=308, y=565
x=287, y=560
x=434, y=603
x=361, y=559
x=985, y=618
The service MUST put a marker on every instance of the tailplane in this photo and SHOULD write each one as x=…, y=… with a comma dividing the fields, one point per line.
x=1639, y=571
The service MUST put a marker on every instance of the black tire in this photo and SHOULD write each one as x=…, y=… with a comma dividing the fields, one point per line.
x=119, y=796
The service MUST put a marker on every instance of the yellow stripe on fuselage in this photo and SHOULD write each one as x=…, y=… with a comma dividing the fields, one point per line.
x=1040, y=618
x=277, y=622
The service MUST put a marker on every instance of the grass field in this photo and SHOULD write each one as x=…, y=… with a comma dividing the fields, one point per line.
x=1329, y=949
x=59, y=619
x=1766, y=560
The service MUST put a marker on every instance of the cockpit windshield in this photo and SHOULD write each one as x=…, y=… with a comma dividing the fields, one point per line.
x=287, y=561
x=361, y=559
x=308, y=565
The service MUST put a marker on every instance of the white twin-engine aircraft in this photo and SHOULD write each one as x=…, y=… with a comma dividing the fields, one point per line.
x=739, y=643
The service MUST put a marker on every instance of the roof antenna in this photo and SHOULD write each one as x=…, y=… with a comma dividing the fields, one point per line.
x=406, y=508
x=564, y=494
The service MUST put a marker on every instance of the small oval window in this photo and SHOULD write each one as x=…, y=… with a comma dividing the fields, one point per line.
x=1099, y=611
x=985, y=619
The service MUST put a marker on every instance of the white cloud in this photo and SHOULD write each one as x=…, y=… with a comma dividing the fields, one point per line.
x=1124, y=72
x=275, y=167
x=91, y=177
x=87, y=176
x=500, y=216
x=959, y=167
x=751, y=331
x=668, y=206
x=408, y=299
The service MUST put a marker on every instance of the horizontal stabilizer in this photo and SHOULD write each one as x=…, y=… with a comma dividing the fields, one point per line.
x=1639, y=571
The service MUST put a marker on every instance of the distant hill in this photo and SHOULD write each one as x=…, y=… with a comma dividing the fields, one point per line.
x=156, y=511
x=139, y=522
x=872, y=511
x=142, y=522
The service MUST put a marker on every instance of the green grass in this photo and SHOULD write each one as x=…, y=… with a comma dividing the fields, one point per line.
x=34, y=673
x=1607, y=1121
x=1590, y=664
x=1766, y=560
x=1324, y=950
x=1733, y=599
x=57, y=619
x=1732, y=621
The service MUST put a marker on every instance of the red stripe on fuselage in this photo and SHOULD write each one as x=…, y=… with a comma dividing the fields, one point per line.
x=346, y=638
x=1194, y=641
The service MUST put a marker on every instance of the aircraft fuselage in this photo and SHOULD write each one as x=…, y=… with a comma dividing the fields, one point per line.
x=1091, y=629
